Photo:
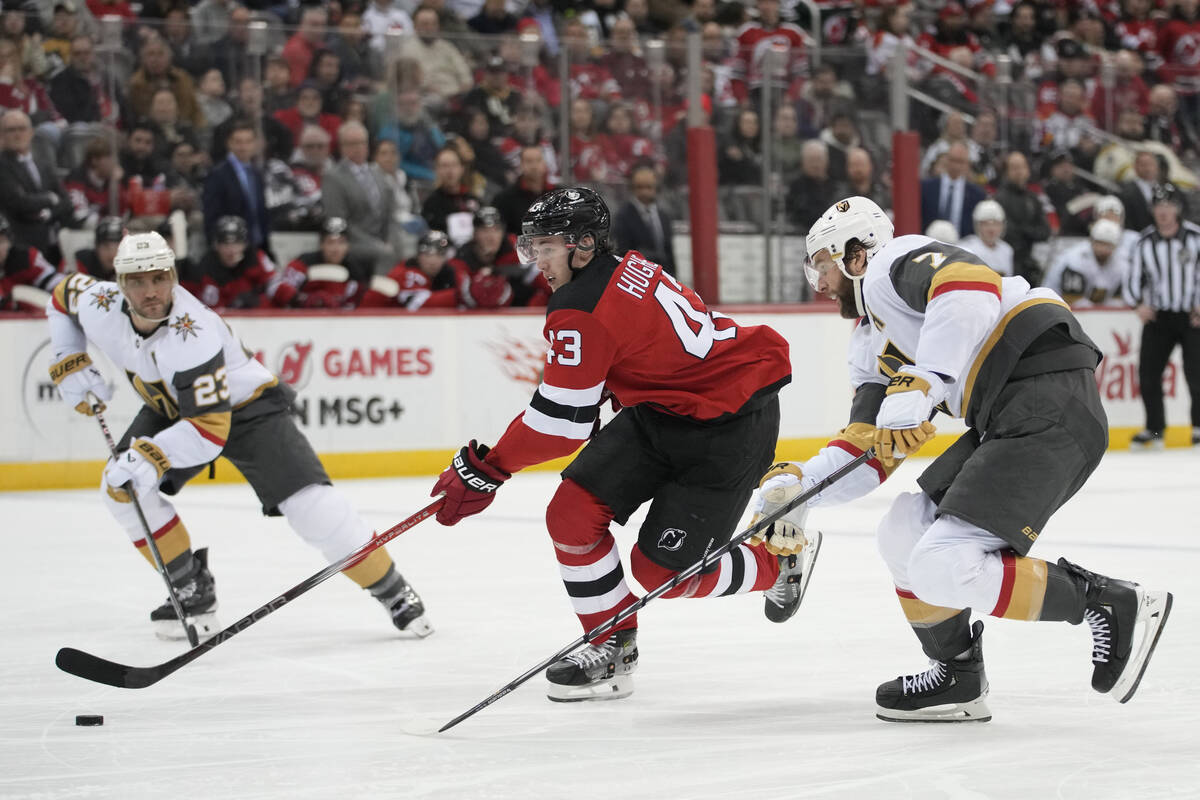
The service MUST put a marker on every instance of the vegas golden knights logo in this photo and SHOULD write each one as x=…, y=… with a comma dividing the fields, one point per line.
x=155, y=395
x=843, y=206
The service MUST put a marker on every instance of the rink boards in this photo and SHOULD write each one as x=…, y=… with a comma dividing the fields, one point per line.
x=395, y=394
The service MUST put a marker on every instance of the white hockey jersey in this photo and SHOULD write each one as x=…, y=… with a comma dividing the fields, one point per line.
x=191, y=368
x=937, y=306
x=1084, y=282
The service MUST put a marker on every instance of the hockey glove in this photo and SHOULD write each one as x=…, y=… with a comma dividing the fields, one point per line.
x=142, y=466
x=902, y=424
x=469, y=484
x=75, y=377
x=782, y=483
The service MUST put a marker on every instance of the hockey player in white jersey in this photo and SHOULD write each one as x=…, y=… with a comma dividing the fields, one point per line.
x=1092, y=273
x=938, y=330
x=987, y=241
x=204, y=395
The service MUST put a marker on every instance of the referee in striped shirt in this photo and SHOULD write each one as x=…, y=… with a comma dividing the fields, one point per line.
x=1164, y=285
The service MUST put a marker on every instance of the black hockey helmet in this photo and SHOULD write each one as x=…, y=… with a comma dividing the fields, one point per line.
x=230, y=229
x=110, y=229
x=488, y=217
x=434, y=242
x=571, y=213
x=335, y=226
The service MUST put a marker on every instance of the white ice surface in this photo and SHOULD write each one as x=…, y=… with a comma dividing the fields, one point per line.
x=322, y=700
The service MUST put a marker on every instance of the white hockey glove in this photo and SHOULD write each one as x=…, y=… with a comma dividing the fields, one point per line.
x=142, y=465
x=75, y=377
x=902, y=425
x=779, y=486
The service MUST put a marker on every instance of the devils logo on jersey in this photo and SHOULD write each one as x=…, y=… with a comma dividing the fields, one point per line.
x=671, y=539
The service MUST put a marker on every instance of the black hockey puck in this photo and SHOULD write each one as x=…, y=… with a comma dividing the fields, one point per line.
x=89, y=719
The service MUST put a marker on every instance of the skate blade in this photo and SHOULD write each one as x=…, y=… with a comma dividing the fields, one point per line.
x=611, y=689
x=1149, y=447
x=1153, y=610
x=169, y=630
x=974, y=711
x=809, y=553
x=419, y=627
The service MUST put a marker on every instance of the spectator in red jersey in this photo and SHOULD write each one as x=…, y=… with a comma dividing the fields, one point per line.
x=623, y=61
x=120, y=8
x=531, y=183
x=950, y=32
x=895, y=26
x=304, y=43
x=1137, y=30
x=587, y=162
x=588, y=78
x=97, y=260
x=753, y=39
x=90, y=185
x=234, y=274
x=1072, y=62
x=307, y=111
x=426, y=280
x=621, y=145
x=1130, y=92
x=1179, y=44
x=325, y=278
x=491, y=274
x=1066, y=128
x=450, y=206
x=22, y=266
x=26, y=93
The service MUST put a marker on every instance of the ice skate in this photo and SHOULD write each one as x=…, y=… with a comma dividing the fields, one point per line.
x=198, y=597
x=949, y=691
x=1146, y=440
x=783, y=599
x=1118, y=612
x=597, y=672
x=403, y=604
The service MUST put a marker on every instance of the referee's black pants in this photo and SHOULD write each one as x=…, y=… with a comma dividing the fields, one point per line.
x=1159, y=338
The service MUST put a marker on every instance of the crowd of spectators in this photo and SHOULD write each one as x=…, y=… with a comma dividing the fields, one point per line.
x=407, y=138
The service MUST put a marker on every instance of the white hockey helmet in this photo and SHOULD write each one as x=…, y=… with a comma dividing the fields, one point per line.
x=943, y=230
x=143, y=252
x=854, y=218
x=1107, y=231
x=988, y=211
x=1110, y=204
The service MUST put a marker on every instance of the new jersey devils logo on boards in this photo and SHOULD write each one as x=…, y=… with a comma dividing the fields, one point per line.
x=671, y=539
x=295, y=369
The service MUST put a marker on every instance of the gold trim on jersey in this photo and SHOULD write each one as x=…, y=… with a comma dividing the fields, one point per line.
x=257, y=393
x=963, y=272
x=861, y=435
x=371, y=569
x=923, y=615
x=1026, y=591
x=213, y=426
x=172, y=542
x=997, y=333
x=66, y=293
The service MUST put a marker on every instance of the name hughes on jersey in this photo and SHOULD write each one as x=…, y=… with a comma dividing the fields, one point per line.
x=636, y=276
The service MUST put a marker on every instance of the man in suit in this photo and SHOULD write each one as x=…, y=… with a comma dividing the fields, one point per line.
x=33, y=198
x=952, y=196
x=1137, y=192
x=641, y=224
x=235, y=187
x=358, y=194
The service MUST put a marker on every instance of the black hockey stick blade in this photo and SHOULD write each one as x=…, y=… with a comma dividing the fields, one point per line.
x=606, y=626
x=101, y=670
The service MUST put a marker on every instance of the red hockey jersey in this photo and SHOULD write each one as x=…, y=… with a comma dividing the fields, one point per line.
x=623, y=327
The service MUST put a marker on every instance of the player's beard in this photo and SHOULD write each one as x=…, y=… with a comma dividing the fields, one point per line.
x=847, y=307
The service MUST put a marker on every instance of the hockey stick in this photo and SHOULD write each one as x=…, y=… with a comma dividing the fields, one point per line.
x=626, y=613
x=94, y=668
x=190, y=630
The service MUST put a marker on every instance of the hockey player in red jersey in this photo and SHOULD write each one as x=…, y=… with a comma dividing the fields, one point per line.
x=427, y=280
x=700, y=410
x=940, y=330
x=328, y=277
